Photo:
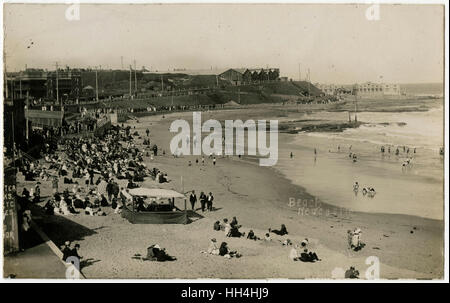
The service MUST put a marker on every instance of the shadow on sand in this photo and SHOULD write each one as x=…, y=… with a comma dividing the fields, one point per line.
x=59, y=228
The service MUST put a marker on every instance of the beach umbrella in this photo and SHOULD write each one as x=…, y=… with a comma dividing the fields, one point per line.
x=155, y=193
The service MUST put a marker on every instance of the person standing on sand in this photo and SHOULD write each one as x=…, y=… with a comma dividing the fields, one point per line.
x=210, y=201
x=292, y=155
x=193, y=199
x=214, y=161
x=203, y=200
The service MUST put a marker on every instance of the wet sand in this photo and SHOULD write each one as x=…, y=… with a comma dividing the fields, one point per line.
x=407, y=246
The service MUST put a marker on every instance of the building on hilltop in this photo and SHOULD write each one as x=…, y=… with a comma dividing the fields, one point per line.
x=69, y=84
x=238, y=76
x=41, y=84
x=368, y=89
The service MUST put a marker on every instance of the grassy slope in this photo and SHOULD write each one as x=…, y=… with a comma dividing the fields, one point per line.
x=117, y=82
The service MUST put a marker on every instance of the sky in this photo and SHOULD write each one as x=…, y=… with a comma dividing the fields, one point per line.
x=336, y=42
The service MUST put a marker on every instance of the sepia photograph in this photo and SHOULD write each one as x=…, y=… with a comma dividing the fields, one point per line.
x=225, y=141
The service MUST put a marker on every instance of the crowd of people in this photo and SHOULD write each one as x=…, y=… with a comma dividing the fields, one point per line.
x=91, y=169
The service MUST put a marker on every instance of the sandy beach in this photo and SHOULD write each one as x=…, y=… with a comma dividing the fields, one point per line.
x=408, y=247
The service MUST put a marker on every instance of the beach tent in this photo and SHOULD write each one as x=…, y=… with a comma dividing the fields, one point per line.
x=155, y=193
x=176, y=216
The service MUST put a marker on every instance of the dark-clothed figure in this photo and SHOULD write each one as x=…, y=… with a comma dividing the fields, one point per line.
x=193, y=199
x=283, y=231
x=308, y=256
x=203, y=200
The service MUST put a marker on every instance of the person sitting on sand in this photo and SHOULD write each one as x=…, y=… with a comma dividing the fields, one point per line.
x=161, y=255
x=234, y=223
x=217, y=226
x=64, y=209
x=308, y=256
x=224, y=251
x=356, y=186
x=103, y=200
x=283, y=231
x=293, y=254
x=267, y=237
x=88, y=210
x=351, y=273
x=227, y=227
x=50, y=207
x=235, y=233
x=213, y=249
x=74, y=252
x=251, y=235
x=304, y=243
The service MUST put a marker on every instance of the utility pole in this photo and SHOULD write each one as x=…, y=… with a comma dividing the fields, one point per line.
x=57, y=84
x=309, y=83
x=356, y=105
x=121, y=62
x=162, y=84
x=6, y=78
x=135, y=78
x=299, y=73
x=27, y=131
x=130, y=81
x=96, y=85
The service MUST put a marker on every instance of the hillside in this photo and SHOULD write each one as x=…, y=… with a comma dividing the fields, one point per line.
x=117, y=83
x=304, y=86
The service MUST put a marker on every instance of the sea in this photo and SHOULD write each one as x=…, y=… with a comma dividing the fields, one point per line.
x=415, y=189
